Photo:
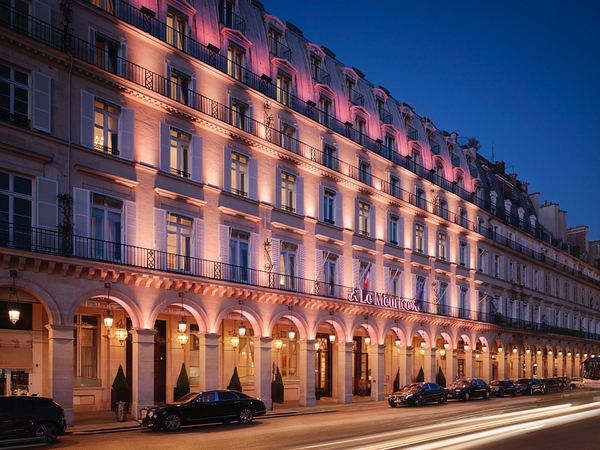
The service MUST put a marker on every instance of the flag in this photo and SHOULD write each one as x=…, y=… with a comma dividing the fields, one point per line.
x=367, y=277
x=419, y=295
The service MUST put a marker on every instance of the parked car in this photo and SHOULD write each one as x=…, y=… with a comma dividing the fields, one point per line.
x=550, y=385
x=204, y=407
x=465, y=389
x=500, y=388
x=529, y=386
x=39, y=418
x=565, y=383
x=416, y=394
x=576, y=383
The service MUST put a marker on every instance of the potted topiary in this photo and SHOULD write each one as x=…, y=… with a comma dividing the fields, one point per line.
x=397, y=381
x=120, y=389
x=277, y=387
x=183, y=384
x=421, y=376
x=440, y=378
x=234, y=383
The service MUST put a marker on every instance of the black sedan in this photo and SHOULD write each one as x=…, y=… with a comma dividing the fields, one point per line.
x=529, y=386
x=550, y=385
x=465, y=389
x=500, y=388
x=418, y=393
x=204, y=407
x=39, y=419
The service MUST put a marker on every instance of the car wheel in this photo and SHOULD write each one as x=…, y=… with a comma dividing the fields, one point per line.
x=442, y=399
x=393, y=405
x=486, y=395
x=245, y=416
x=466, y=397
x=172, y=422
x=47, y=431
x=501, y=393
x=418, y=401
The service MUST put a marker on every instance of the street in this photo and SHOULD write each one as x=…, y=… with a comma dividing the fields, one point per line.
x=550, y=421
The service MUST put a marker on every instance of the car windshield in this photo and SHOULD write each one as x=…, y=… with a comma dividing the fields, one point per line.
x=523, y=381
x=412, y=388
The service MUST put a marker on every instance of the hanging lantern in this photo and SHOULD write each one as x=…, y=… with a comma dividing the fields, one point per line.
x=14, y=307
x=108, y=313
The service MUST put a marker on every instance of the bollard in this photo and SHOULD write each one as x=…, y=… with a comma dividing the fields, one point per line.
x=121, y=410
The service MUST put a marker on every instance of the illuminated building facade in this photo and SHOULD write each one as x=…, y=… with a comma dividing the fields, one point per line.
x=225, y=194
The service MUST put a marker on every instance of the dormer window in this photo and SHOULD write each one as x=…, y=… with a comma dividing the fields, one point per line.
x=229, y=18
x=284, y=87
x=354, y=97
x=176, y=28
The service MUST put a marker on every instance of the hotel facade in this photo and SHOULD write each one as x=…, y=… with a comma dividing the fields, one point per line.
x=196, y=183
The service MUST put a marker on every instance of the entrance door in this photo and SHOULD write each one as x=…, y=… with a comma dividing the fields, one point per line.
x=360, y=369
x=323, y=358
x=160, y=361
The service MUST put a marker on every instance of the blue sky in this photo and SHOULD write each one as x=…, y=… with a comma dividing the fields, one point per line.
x=521, y=76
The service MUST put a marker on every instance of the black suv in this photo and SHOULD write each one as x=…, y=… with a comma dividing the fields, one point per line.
x=530, y=386
x=469, y=388
x=39, y=418
x=500, y=388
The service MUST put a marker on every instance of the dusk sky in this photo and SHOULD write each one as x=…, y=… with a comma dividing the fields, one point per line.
x=522, y=77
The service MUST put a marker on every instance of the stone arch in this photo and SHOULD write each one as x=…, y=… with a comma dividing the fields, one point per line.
x=399, y=331
x=369, y=327
x=245, y=313
x=330, y=321
x=128, y=304
x=187, y=304
x=40, y=294
x=295, y=317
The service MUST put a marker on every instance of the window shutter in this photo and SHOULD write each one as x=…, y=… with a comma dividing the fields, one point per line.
x=373, y=278
x=426, y=240
x=200, y=236
x=126, y=133
x=276, y=254
x=255, y=247
x=81, y=205
x=300, y=196
x=321, y=203
x=87, y=119
x=356, y=216
x=123, y=60
x=356, y=272
x=165, y=147
x=339, y=222
x=47, y=204
x=197, y=158
x=253, y=181
x=386, y=280
x=130, y=223
x=224, y=243
x=340, y=272
x=160, y=230
x=372, y=217
x=277, y=187
x=302, y=261
x=319, y=265
x=192, y=93
x=401, y=232
x=42, y=104
x=227, y=170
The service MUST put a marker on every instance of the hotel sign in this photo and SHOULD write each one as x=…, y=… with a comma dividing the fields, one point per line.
x=357, y=295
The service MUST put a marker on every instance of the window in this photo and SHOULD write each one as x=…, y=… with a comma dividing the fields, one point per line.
x=536, y=279
x=442, y=246
x=288, y=191
x=443, y=298
x=325, y=111
x=176, y=28
x=393, y=229
x=179, y=241
x=330, y=156
x=419, y=289
x=464, y=220
x=420, y=198
x=511, y=271
x=443, y=208
x=14, y=96
x=85, y=350
x=239, y=255
x=329, y=206
x=459, y=184
x=354, y=97
x=18, y=16
x=180, y=86
x=524, y=275
x=316, y=69
x=236, y=62
x=239, y=174
x=364, y=211
x=288, y=140
x=511, y=240
x=557, y=287
x=439, y=174
x=360, y=126
x=394, y=186
x=419, y=238
x=275, y=42
x=379, y=104
x=481, y=260
x=462, y=253
x=106, y=227
x=416, y=158
x=106, y=52
x=239, y=112
x=16, y=207
x=329, y=273
x=394, y=276
x=481, y=226
x=463, y=302
x=364, y=172
x=180, y=152
x=497, y=266
x=106, y=126
x=288, y=261
x=390, y=145
x=284, y=87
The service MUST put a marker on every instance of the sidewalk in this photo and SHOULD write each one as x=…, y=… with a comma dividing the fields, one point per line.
x=106, y=421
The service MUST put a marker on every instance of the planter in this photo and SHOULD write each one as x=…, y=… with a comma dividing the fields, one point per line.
x=179, y=392
x=277, y=392
x=118, y=395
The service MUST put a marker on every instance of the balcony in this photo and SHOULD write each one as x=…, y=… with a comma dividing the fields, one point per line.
x=231, y=20
x=321, y=76
x=355, y=97
x=279, y=50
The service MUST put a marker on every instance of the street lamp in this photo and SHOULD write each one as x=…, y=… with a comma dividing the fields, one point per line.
x=181, y=324
x=292, y=332
x=332, y=332
x=108, y=313
x=121, y=331
x=14, y=309
x=367, y=338
x=242, y=328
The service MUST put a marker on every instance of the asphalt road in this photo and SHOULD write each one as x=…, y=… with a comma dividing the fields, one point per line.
x=554, y=421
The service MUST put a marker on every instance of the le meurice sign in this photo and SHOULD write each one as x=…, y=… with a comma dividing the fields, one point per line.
x=357, y=295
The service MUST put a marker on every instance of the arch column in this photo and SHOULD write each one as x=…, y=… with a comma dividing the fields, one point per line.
x=344, y=370
x=528, y=361
x=209, y=360
x=450, y=366
x=262, y=370
x=142, y=364
x=404, y=356
x=429, y=364
x=569, y=364
x=306, y=367
x=60, y=357
x=486, y=366
x=501, y=358
x=469, y=364
x=376, y=361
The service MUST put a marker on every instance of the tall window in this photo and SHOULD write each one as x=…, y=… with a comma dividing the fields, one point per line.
x=106, y=226
x=288, y=191
x=524, y=275
x=394, y=186
x=239, y=111
x=419, y=238
x=442, y=246
x=420, y=198
x=379, y=104
x=275, y=42
x=288, y=134
x=330, y=156
x=462, y=253
x=464, y=220
x=394, y=276
x=288, y=263
x=463, y=302
x=497, y=266
x=364, y=172
x=85, y=350
x=239, y=174
x=329, y=273
x=360, y=126
x=236, y=62
x=106, y=126
x=176, y=28
x=18, y=18
x=443, y=206
x=315, y=67
x=393, y=229
x=390, y=145
x=180, y=152
x=481, y=259
x=443, y=298
x=14, y=96
x=511, y=271
x=329, y=206
x=239, y=255
x=179, y=241
x=536, y=280
x=325, y=111
x=180, y=86
x=16, y=206
x=364, y=211
x=284, y=87
x=459, y=184
x=364, y=276
x=107, y=52
x=439, y=174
